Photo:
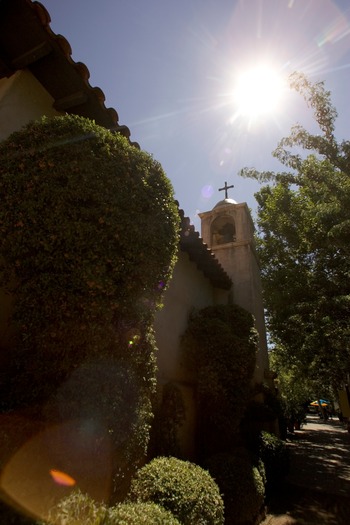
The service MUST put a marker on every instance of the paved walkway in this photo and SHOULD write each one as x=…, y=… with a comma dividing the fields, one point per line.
x=317, y=489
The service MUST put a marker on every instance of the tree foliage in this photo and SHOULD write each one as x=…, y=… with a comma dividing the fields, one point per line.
x=294, y=389
x=303, y=228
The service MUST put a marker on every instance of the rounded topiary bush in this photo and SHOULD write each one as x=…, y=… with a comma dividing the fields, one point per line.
x=221, y=344
x=81, y=509
x=168, y=418
x=181, y=487
x=88, y=237
x=82, y=203
x=89, y=230
x=140, y=513
x=77, y=509
x=241, y=485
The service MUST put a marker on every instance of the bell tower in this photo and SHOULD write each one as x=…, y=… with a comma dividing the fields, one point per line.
x=228, y=230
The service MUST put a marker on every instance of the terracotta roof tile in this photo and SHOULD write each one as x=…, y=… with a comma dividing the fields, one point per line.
x=49, y=57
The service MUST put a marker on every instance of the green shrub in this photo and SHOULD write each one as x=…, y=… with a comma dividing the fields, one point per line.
x=77, y=509
x=241, y=485
x=168, y=417
x=260, y=465
x=81, y=509
x=274, y=454
x=181, y=487
x=220, y=343
x=140, y=513
x=88, y=237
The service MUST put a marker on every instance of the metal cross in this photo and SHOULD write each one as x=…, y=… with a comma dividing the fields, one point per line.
x=226, y=188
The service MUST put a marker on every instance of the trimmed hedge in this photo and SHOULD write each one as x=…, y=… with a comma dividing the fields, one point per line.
x=168, y=417
x=140, y=513
x=220, y=344
x=88, y=240
x=75, y=509
x=241, y=485
x=181, y=487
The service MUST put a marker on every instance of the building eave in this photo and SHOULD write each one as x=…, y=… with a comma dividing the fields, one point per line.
x=199, y=253
x=28, y=42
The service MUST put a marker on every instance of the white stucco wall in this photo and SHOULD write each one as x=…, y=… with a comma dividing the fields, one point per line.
x=22, y=99
x=239, y=261
x=188, y=289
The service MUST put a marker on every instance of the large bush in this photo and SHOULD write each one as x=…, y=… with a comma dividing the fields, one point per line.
x=241, y=485
x=88, y=236
x=221, y=343
x=183, y=488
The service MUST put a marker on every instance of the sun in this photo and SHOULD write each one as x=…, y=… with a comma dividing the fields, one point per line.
x=258, y=91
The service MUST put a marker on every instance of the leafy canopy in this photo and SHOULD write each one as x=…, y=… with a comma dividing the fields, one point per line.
x=303, y=230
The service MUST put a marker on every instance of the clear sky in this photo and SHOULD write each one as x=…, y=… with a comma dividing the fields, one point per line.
x=169, y=69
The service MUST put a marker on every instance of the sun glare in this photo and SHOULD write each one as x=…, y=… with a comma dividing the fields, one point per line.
x=258, y=91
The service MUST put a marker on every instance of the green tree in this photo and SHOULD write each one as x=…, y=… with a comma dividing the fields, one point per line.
x=295, y=391
x=303, y=227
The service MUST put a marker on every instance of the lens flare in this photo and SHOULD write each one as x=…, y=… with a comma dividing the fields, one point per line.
x=161, y=285
x=207, y=191
x=61, y=478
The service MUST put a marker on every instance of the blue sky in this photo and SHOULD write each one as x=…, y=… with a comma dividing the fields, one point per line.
x=169, y=68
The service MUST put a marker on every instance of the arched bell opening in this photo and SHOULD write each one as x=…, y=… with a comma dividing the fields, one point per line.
x=223, y=230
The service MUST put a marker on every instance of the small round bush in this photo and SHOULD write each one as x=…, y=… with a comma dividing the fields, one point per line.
x=75, y=509
x=81, y=509
x=140, y=513
x=181, y=487
x=241, y=485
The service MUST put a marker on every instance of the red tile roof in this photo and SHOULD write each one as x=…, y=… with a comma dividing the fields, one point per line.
x=27, y=41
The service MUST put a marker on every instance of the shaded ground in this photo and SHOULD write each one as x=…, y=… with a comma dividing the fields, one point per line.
x=317, y=489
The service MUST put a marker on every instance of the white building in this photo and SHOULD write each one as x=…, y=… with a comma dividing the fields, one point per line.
x=38, y=77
